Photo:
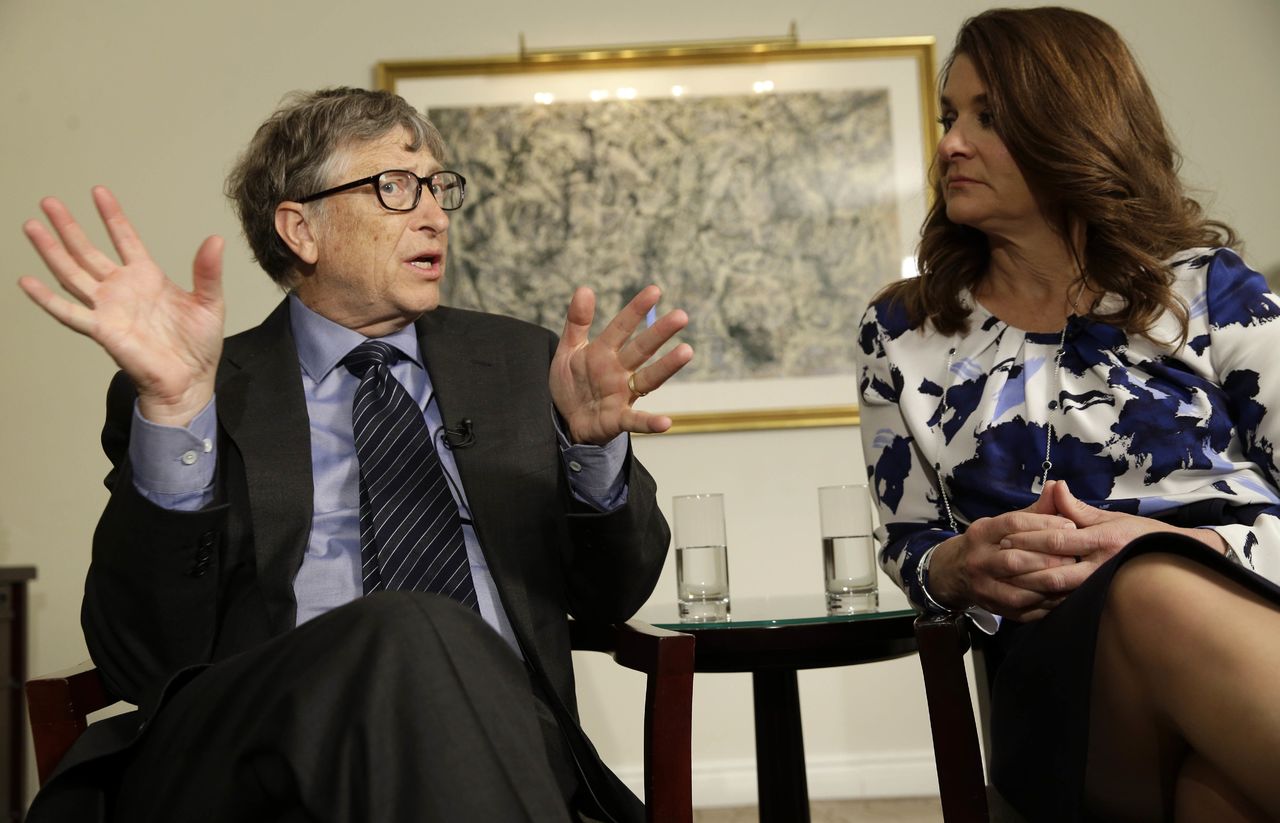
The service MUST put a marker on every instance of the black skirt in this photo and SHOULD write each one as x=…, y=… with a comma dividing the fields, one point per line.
x=1044, y=675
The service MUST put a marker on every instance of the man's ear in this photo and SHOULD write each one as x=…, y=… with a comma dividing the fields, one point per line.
x=295, y=230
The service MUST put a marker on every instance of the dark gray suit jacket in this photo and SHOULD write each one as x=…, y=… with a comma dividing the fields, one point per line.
x=170, y=592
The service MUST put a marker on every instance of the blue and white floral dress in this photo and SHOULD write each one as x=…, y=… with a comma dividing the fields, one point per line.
x=1176, y=432
x=1137, y=427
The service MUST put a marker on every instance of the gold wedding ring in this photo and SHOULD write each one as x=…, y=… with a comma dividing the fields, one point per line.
x=631, y=385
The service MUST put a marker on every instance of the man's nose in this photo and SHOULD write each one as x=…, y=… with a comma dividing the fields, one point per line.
x=428, y=214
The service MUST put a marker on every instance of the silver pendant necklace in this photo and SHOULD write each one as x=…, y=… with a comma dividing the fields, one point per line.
x=945, y=407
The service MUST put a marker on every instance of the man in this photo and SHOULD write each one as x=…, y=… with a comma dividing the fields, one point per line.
x=260, y=487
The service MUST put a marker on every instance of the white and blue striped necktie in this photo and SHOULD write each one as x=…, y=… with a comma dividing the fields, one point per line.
x=410, y=530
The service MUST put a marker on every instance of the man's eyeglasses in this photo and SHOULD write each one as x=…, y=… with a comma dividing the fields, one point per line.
x=400, y=190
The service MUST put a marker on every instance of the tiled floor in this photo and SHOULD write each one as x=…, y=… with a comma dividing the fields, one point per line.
x=907, y=810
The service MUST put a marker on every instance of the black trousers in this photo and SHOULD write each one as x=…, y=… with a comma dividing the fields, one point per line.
x=399, y=706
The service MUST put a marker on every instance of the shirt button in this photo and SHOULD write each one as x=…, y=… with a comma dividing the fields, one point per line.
x=575, y=466
x=208, y=445
x=188, y=458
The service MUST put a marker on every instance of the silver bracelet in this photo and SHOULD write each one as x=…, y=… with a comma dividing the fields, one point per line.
x=922, y=574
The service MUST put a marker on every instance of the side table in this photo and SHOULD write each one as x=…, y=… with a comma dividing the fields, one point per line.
x=772, y=638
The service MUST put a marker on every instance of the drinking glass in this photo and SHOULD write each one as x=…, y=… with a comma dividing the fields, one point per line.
x=848, y=549
x=702, y=561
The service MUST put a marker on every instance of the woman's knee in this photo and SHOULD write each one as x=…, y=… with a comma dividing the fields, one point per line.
x=1157, y=601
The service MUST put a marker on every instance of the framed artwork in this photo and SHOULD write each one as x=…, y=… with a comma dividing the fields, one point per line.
x=769, y=187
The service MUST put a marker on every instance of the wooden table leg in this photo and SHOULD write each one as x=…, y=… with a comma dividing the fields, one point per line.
x=780, y=775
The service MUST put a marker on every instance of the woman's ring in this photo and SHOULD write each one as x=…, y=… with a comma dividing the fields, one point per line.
x=631, y=384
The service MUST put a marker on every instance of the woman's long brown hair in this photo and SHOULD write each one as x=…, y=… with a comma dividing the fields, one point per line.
x=1076, y=114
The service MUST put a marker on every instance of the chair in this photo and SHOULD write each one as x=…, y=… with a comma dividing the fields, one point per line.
x=60, y=703
x=942, y=642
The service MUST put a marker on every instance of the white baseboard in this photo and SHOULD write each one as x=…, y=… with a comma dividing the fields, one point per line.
x=831, y=777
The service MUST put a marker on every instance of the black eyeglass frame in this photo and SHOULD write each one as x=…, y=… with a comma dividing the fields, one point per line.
x=372, y=180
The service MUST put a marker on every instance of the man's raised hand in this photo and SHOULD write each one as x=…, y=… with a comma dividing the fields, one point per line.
x=168, y=340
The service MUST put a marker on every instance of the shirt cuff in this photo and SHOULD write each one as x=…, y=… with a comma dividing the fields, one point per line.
x=595, y=472
x=173, y=461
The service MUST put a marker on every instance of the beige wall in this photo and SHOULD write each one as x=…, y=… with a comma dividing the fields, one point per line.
x=155, y=98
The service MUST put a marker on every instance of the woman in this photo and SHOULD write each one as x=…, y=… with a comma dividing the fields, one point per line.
x=1066, y=420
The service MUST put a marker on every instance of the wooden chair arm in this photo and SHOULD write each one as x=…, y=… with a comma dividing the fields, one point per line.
x=942, y=642
x=58, y=705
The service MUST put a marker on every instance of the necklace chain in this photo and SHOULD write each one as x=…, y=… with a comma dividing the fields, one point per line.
x=945, y=407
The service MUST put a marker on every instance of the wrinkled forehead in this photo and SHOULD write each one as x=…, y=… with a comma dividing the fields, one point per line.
x=394, y=149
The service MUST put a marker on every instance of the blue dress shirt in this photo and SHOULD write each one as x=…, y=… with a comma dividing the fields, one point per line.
x=174, y=467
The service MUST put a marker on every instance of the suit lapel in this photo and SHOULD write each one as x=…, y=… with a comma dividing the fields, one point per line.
x=262, y=408
x=468, y=369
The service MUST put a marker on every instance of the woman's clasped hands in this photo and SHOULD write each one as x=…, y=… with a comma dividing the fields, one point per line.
x=1023, y=563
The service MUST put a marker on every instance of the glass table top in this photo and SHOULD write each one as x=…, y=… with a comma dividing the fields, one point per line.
x=763, y=612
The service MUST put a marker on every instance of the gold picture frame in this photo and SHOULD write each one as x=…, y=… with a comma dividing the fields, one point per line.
x=899, y=70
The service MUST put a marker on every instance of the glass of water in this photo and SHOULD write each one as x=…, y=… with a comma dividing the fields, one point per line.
x=848, y=549
x=702, y=562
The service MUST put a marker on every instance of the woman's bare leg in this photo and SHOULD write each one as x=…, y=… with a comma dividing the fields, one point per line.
x=1187, y=666
x=1203, y=793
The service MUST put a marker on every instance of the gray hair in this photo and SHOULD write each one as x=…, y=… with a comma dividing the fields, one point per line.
x=294, y=152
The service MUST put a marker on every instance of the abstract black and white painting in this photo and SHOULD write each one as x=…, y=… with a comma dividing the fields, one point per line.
x=770, y=214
